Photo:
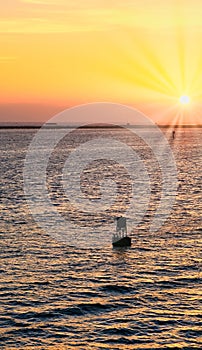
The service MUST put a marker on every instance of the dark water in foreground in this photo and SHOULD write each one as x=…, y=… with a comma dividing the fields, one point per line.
x=144, y=297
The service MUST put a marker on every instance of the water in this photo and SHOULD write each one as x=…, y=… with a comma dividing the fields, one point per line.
x=53, y=296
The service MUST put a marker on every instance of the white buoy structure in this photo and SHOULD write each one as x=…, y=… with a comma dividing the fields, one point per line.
x=120, y=238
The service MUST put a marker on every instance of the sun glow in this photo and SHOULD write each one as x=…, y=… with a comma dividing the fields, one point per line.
x=184, y=99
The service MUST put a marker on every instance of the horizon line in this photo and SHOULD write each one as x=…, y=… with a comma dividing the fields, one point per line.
x=35, y=125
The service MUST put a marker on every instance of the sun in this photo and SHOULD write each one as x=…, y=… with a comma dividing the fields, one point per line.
x=184, y=99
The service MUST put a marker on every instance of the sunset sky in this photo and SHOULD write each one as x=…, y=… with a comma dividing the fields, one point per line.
x=60, y=53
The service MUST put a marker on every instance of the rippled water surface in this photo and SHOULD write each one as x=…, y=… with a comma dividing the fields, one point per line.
x=53, y=296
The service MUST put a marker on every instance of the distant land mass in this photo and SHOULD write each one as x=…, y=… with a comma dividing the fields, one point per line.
x=91, y=126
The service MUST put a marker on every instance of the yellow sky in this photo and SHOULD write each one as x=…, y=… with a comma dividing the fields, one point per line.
x=58, y=53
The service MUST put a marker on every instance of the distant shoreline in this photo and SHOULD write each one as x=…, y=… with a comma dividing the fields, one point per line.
x=91, y=126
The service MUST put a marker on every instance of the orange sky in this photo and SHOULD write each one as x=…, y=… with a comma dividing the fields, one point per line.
x=59, y=53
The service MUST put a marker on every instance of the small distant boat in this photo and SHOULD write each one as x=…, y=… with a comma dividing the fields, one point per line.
x=120, y=238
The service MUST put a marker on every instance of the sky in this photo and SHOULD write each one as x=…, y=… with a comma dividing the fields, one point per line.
x=55, y=54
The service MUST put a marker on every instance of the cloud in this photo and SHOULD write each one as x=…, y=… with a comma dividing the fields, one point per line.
x=42, y=2
x=7, y=58
x=62, y=16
